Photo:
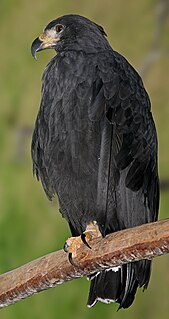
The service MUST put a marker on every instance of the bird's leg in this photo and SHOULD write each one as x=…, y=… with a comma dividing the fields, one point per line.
x=73, y=243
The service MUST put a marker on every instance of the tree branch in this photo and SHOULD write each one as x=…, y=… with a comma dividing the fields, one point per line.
x=143, y=242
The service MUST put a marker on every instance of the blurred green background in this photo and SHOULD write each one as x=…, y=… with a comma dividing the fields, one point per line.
x=30, y=226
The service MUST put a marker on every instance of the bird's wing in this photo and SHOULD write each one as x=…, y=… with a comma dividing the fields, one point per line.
x=133, y=148
x=128, y=187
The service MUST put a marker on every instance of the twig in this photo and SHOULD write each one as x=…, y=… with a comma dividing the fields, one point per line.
x=143, y=242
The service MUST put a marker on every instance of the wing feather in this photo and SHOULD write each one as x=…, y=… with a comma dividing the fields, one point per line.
x=128, y=111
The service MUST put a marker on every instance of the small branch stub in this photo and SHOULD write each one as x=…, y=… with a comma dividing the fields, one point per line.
x=143, y=242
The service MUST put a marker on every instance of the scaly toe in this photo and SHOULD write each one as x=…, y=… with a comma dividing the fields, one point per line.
x=73, y=243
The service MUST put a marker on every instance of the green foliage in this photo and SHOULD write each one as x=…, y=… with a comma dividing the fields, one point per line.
x=30, y=226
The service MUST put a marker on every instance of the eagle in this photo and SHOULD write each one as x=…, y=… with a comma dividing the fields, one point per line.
x=95, y=146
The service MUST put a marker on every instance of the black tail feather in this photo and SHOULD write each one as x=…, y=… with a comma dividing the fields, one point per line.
x=120, y=285
x=105, y=287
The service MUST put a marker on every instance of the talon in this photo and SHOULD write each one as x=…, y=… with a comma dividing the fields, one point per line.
x=66, y=247
x=83, y=238
x=70, y=258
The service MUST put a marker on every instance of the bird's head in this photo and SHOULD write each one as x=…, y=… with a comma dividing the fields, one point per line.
x=71, y=32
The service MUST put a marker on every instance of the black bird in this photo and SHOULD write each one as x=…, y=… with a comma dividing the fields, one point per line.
x=95, y=145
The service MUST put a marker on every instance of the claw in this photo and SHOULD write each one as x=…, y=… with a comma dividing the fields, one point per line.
x=66, y=247
x=83, y=238
x=70, y=258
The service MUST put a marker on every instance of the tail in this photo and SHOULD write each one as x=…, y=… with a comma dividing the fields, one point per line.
x=119, y=284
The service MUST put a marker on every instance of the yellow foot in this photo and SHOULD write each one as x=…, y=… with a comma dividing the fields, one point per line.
x=73, y=243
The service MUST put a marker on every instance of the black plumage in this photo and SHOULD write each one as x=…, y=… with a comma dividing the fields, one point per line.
x=95, y=144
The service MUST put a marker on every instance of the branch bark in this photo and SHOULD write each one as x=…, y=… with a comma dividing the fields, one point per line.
x=143, y=242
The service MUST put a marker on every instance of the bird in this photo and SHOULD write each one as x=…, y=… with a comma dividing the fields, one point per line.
x=95, y=146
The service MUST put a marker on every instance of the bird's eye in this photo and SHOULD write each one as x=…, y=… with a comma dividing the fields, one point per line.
x=59, y=28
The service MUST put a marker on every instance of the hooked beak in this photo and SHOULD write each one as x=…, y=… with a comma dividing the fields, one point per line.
x=37, y=45
x=47, y=40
